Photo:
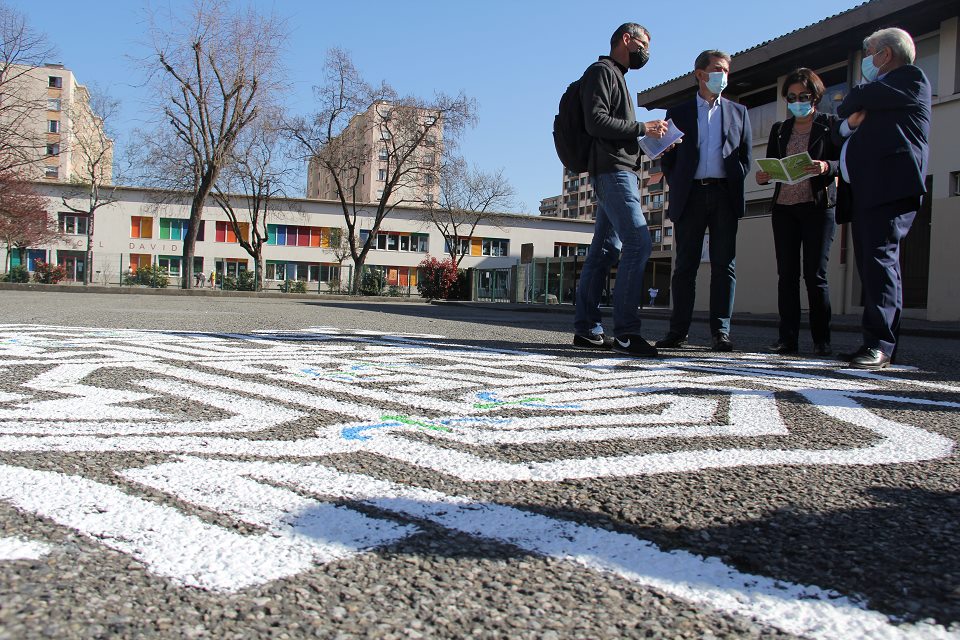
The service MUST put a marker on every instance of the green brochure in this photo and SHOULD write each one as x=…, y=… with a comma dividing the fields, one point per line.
x=791, y=169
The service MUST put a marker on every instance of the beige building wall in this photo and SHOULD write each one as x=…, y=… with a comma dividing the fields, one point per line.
x=373, y=130
x=114, y=243
x=58, y=101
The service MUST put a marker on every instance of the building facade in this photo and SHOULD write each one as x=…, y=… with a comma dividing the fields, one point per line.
x=370, y=150
x=147, y=228
x=833, y=48
x=59, y=127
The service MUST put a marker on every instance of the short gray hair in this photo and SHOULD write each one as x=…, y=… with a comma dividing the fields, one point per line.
x=632, y=28
x=703, y=60
x=899, y=41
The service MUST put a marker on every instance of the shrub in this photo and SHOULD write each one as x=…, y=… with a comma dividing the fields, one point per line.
x=149, y=276
x=373, y=282
x=247, y=281
x=46, y=273
x=18, y=273
x=461, y=290
x=293, y=286
x=437, y=278
x=229, y=283
x=333, y=286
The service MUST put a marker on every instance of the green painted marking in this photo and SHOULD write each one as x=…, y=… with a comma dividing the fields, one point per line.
x=417, y=423
x=503, y=403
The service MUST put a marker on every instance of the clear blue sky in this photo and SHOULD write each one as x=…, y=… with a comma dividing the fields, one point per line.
x=515, y=57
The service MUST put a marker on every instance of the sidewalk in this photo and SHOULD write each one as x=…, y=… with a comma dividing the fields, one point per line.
x=846, y=323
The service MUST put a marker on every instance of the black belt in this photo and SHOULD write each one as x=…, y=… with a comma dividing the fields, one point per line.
x=706, y=182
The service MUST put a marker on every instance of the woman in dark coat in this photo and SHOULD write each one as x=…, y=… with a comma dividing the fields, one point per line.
x=803, y=213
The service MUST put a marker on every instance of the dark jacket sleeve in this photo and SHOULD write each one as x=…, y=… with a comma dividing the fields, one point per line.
x=773, y=150
x=596, y=90
x=746, y=143
x=669, y=159
x=876, y=95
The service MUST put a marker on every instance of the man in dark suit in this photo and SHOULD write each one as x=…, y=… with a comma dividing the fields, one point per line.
x=705, y=175
x=884, y=165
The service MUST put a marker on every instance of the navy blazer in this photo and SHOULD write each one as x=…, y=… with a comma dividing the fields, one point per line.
x=887, y=155
x=680, y=164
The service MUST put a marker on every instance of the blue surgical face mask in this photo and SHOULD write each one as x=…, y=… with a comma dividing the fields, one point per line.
x=868, y=69
x=717, y=82
x=800, y=109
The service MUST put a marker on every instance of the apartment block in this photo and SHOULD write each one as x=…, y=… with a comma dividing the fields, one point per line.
x=375, y=141
x=57, y=126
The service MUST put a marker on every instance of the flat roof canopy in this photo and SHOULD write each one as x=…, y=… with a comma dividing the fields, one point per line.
x=821, y=44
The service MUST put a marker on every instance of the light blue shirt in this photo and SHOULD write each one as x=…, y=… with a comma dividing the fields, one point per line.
x=846, y=132
x=709, y=140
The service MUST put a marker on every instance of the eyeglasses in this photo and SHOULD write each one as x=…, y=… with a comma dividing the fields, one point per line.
x=803, y=97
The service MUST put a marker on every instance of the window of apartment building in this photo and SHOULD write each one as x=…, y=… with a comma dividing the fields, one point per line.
x=836, y=87
x=430, y=141
x=382, y=175
x=53, y=104
x=762, y=108
x=656, y=235
x=55, y=82
x=72, y=224
x=53, y=149
x=276, y=270
x=140, y=261
x=379, y=194
x=384, y=134
x=226, y=233
x=141, y=227
x=463, y=247
x=171, y=264
x=51, y=172
x=383, y=154
x=53, y=126
x=174, y=228
x=495, y=247
x=429, y=180
x=928, y=58
x=954, y=184
x=668, y=232
x=428, y=159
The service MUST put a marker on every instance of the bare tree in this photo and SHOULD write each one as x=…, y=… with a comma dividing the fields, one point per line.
x=213, y=73
x=359, y=125
x=24, y=218
x=467, y=196
x=259, y=180
x=91, y=145
x=22, y=99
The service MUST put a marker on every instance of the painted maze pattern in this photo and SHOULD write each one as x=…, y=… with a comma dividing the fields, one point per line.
x=228, y=411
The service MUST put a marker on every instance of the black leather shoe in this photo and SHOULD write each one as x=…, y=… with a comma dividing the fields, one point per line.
x=849, y=357
x=672, y=341
x=782, y=348
x=873, y=359
x=721, y=342
x=822, y=349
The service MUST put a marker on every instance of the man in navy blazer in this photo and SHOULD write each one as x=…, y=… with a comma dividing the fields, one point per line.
x=883, y=163
x=705, y=175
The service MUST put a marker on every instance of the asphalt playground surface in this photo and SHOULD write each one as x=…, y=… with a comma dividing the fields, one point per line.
x=239, y=467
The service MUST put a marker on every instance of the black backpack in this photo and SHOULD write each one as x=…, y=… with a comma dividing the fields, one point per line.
x=570, y=135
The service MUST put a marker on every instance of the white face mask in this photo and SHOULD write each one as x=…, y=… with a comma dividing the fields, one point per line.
x=717, y=82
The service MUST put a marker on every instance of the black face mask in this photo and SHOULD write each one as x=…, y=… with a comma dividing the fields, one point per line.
x=639, y=58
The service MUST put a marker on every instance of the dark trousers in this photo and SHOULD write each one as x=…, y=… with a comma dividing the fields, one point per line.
x=708, y=207
x=802, y=236
x=877, y=233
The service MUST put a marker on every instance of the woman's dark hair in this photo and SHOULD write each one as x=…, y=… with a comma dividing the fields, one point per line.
x=810, y=80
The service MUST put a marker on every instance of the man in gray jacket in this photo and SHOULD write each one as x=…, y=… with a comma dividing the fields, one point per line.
x=620, y=231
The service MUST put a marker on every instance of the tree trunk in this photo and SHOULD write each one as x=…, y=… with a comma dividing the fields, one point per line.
x=88, y=271
x=196, y=213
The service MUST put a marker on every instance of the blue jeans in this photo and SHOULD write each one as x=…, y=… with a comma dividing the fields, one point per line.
x=619, y=233
x=708, y=207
